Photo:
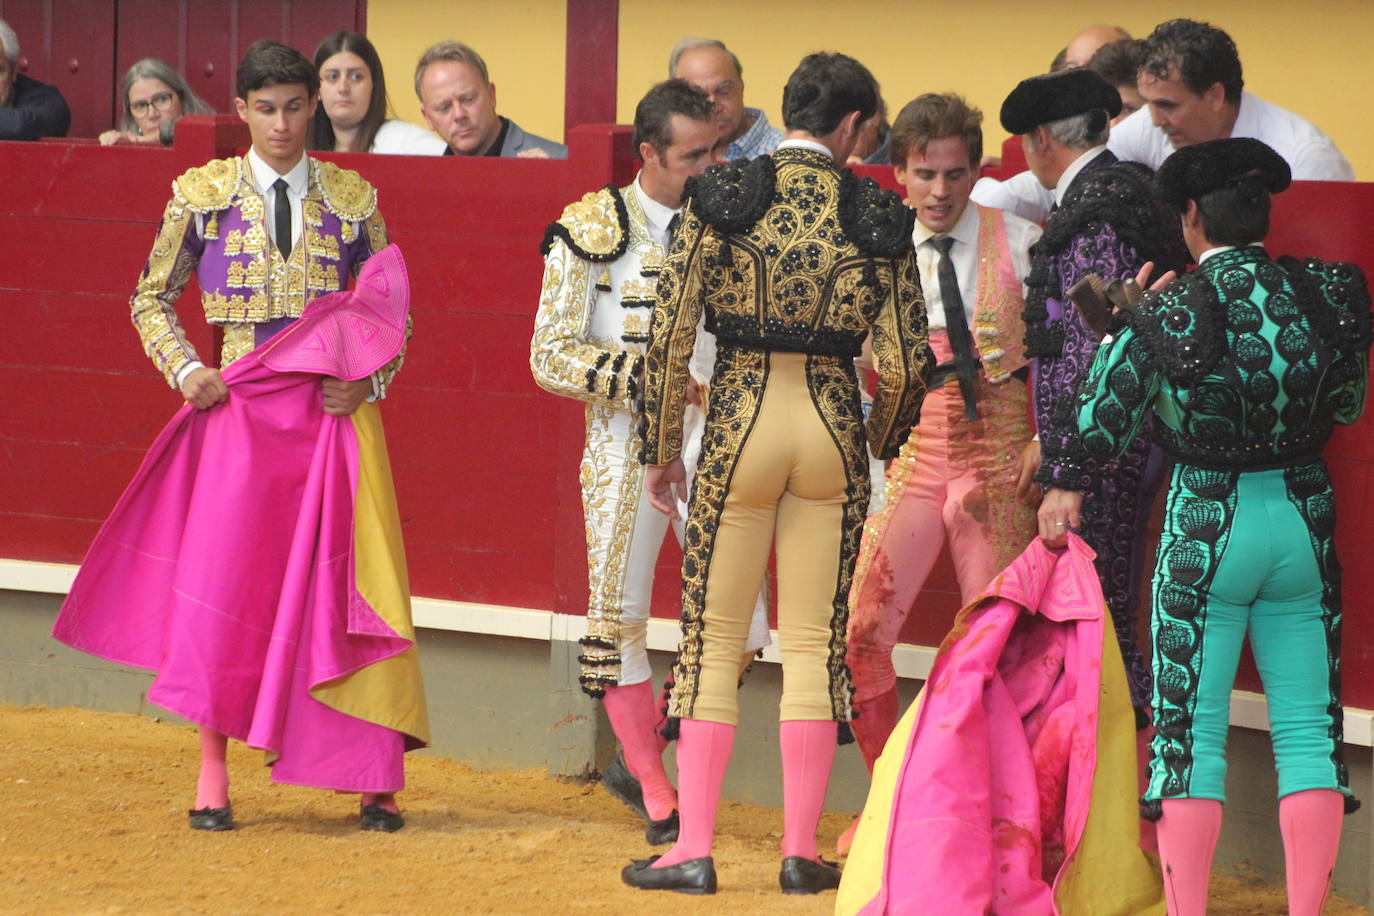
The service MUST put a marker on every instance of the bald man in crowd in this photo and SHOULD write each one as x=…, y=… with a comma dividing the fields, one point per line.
x=1085, y=44
x=714, y=69
x=1193, y=86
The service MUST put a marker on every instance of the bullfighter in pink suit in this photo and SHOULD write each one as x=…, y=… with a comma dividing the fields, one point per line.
x=964, y=475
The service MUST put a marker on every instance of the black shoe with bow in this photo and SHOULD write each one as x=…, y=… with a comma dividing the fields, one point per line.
x=800, y=875
x=215, y=819
x=620, y=782
x=375, y=817
x=695, y=876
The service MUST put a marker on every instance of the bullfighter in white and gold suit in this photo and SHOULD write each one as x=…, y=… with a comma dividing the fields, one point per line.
x=602, y=260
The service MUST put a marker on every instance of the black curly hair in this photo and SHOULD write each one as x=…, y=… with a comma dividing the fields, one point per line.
x=1198, y=53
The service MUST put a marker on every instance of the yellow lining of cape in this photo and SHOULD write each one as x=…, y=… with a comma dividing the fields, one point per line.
x=390, y=692
x=1108, y=874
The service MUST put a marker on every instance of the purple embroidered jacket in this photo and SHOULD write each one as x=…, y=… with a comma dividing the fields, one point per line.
x=1109, y=225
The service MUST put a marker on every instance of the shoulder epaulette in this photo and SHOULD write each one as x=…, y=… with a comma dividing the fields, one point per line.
x=1117, y=195
x=875, y=220
x=1335, y=296
x=209, y=188
x=1120, y=194
x=733, y=196
x=1182, y=327
x=596, y=228
x=346, y=194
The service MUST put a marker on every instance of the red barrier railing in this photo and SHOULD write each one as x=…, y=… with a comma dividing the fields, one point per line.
x=486, y=463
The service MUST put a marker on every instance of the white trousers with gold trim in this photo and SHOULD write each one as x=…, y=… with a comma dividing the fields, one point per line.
x=625, y=533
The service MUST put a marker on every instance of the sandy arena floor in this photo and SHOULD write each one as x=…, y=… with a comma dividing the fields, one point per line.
x=93, y=820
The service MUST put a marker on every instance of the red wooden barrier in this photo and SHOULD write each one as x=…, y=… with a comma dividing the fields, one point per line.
x=486, y=463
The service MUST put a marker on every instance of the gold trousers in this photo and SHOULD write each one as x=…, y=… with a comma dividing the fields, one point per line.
x=784, y=464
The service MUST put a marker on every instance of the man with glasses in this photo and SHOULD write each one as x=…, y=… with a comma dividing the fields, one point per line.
x=714, y=69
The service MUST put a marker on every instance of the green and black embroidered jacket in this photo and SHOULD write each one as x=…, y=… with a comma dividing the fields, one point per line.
x=1247, y=362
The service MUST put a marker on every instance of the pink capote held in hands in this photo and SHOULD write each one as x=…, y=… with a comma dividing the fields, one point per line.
x=227, y=565
x=993, y=790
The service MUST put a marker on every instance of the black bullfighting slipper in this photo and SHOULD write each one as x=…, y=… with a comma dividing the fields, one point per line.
x=800, y=875
x=375, y=817
x=661, y=833
x=695, y=876
x=620, y=782
x=212, y=818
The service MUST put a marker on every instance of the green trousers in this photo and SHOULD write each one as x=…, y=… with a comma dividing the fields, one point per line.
x=1247, y=553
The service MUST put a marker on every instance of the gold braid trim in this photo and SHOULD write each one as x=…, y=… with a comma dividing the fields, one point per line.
x=208, y=188
x=346, y=193
x=596, y=228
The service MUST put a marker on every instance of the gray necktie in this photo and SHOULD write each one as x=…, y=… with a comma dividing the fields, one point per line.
x=956, y=327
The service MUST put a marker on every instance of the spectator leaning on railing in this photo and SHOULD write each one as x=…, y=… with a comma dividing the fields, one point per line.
x=155, y=97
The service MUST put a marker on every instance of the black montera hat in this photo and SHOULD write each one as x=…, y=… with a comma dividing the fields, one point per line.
x=1055, y=96
x=1196, y=170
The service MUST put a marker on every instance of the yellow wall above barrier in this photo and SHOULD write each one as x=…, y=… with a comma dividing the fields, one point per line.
x=1311, y=58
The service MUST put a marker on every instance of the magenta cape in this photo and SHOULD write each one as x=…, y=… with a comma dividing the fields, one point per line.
x=231, y=564
x=1009, y=787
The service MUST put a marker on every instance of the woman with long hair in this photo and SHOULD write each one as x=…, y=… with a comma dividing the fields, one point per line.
x=352, y=114
x=155, y=96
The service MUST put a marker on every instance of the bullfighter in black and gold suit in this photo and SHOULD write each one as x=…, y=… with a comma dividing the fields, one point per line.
x=794, y=262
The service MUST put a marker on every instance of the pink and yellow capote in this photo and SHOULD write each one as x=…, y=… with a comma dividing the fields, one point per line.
x=1009, y=785
x=255, y=563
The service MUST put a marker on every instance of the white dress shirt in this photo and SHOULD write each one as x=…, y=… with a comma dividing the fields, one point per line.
x=657, y=216
x=1070, y=173
x=1022, y=194
x=401, y=138
x=1309, y=152
x=806, y=144
x=297, y=183
x=1021, y=234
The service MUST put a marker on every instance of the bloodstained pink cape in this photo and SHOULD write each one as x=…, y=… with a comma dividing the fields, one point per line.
x=255, y=562
x=1009, y=786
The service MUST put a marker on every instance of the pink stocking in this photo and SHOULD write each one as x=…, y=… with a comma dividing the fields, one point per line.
x=634, y=718
x=703, y=753
x=212, y=789
x=808, y=751
x=384, y=800
x=1187, y=838
x=873, y=724
x=1311, y=825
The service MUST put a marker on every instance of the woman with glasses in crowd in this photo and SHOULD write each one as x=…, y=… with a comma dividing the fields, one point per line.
x=155, y=96
x=351, y=117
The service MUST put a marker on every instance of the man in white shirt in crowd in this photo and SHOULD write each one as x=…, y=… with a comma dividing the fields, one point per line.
x=1192, y=83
